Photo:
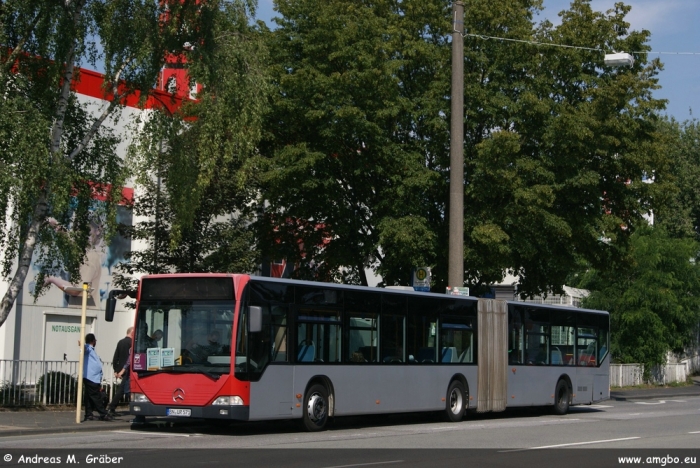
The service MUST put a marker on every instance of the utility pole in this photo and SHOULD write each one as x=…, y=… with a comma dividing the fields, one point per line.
x=81, y=356
x=455, y=271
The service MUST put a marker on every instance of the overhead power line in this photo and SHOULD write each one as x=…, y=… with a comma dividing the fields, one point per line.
x=564, y=46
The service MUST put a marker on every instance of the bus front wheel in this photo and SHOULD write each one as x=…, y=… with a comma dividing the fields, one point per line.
x=456, y=401
x=316, y=408
x=561, y=398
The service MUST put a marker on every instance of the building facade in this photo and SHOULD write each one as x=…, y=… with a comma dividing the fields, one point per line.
x=48, y=329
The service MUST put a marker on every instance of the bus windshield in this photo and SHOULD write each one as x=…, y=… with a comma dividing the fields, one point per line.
x=184, y=336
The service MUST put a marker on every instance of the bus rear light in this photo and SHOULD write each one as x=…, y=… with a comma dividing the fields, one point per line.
x=228, y=401
x=139, y=398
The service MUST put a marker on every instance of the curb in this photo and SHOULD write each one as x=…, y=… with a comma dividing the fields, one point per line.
x=651, y=395
x=103, y=426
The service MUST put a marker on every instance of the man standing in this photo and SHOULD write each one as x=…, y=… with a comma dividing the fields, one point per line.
x=92, y=381
x=120, y=359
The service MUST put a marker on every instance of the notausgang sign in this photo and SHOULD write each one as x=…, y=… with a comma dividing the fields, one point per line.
x=65, y=328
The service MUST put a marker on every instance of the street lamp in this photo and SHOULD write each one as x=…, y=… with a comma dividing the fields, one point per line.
x=74, y=291
x=619, y=59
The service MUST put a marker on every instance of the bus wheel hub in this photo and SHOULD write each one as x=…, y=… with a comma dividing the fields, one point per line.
x=316, y=407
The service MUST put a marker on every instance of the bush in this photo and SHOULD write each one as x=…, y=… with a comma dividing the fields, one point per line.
x=11, y=394
x=60, y=387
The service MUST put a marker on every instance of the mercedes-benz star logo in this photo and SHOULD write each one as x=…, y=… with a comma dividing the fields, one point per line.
x=178, y=394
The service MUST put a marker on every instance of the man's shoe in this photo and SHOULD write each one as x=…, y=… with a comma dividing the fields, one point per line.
x=106, y=417
x=113, y=413
x=89, y=417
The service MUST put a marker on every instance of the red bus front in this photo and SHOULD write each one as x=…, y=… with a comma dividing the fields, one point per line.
x=184, y=351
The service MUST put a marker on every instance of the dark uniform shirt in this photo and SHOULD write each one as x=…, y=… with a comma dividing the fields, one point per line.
x=121, y=354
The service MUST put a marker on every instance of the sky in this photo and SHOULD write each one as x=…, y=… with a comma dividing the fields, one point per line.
x=671, y=25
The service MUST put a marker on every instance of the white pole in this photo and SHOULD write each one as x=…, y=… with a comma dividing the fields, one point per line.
x=81, y=359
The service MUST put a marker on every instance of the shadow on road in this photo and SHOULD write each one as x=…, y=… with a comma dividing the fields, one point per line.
x=242, y=429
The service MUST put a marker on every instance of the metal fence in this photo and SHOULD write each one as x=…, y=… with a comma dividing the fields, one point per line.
x=43, y=383
x=669, y=373
x=626, y=375
x=692, y=364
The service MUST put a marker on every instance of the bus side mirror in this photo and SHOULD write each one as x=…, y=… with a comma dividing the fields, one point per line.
x=112, y=301
x=255, y=319
x=109, y=308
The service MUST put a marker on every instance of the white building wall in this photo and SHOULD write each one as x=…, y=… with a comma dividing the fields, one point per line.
x=48, y=328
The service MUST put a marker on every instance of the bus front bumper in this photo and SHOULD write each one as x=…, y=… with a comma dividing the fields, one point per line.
x=234, y=413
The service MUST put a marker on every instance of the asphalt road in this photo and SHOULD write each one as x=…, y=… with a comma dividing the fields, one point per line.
x=518, y=437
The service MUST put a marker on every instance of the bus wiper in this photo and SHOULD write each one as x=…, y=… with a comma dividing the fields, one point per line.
x=149, y=373
x=175, y=370
x=211, y=375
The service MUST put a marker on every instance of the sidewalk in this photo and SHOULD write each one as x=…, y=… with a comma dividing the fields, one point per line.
x=659, y=392
x=25, y=422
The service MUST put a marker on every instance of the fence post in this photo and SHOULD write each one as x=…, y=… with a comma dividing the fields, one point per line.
x=44, y=384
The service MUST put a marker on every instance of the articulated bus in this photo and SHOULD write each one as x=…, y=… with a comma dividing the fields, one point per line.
x=246, y=348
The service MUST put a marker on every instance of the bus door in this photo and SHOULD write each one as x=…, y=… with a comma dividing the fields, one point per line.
x=601, y=379
x=586, y=360
x=266, y=357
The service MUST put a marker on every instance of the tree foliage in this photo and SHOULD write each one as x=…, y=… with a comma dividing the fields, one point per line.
x=196, y=165
x=54, y=154
x=353, y=133
x=679, y=211
x=556, y=144
x=655, y=305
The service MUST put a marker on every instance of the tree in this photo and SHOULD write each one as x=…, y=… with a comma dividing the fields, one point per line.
x=679, y=211
x=345, y=148
x=556, y=144
x=655, y=305
x=196, y=166
x=53, y=152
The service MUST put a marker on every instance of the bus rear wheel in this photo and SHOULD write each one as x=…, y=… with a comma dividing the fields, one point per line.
x=561, y=398
x=456, y=401
x=316, y=408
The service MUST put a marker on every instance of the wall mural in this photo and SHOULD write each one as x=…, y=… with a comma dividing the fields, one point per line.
x=98, y=267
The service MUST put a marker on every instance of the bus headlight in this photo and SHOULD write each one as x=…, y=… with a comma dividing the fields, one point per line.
x=139, y=398
x=228, y=401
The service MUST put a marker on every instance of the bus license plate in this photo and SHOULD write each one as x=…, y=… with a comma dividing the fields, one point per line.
x=179, y=412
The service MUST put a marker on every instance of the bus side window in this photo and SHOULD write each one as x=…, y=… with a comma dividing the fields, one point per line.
x=318, y=335
x=515, y=337
x=586, y=346
x=603, y=336
x=279, y=332
x=537, y=336
x=457, y=340
x=362, y=337
x=392, y=338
